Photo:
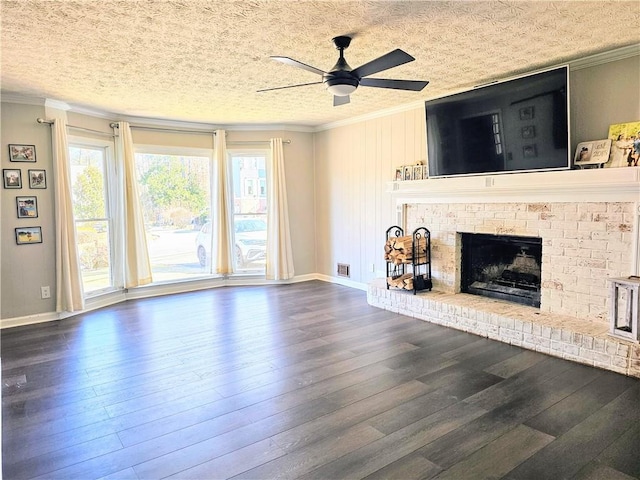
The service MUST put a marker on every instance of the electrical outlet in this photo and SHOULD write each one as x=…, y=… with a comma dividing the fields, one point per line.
x=45, y=292
x=373, y=267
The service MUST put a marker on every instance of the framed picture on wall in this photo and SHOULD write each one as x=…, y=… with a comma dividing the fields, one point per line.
x=25, y=235
x=529, y=151
x=408, y=172
x=22, y=153
x=526, y=113
x=399, y=174
x=12, y=177
x=417, y=172
x=37, y=179
x=27, y=207
x=529, y=131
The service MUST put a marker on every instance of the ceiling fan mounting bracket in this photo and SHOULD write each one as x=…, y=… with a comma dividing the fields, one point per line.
x=342, y=42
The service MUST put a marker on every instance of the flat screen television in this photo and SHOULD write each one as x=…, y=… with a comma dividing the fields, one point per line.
x=517, y=125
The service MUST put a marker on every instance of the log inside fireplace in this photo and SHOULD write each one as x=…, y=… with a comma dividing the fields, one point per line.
x=506, y=267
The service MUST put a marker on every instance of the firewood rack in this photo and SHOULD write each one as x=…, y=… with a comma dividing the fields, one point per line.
x=408, y=270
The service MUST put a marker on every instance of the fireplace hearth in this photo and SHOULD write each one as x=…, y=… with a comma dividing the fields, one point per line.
x=502, y=266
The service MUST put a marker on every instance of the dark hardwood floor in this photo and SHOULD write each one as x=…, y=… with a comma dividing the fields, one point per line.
x=300, y=381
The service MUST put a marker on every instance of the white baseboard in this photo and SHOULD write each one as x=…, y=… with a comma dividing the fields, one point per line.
x=342, y=281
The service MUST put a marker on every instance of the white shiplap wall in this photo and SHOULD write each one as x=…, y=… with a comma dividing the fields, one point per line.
x=353, y=207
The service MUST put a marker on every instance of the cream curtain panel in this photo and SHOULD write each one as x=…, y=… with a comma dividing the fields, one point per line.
x=137, y=269
x=69, y=293
x=223, y=208
x=279, y=256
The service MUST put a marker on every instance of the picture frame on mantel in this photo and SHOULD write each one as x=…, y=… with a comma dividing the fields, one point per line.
x=625, y=145
x=592, y=153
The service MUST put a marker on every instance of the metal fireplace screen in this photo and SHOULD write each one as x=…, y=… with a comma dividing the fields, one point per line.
x=502, y=266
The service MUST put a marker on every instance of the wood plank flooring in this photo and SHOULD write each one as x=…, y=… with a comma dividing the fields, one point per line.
x=300, y=381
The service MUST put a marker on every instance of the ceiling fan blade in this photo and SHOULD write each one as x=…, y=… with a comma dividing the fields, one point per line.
x=296, y=63
x=337, y=101
x=288, y=86
x=413, y=85
x=390, y=60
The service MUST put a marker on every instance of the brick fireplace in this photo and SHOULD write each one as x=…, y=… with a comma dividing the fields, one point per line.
x=587, y=222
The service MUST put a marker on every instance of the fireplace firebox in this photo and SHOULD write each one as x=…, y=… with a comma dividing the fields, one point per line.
x=502, y=266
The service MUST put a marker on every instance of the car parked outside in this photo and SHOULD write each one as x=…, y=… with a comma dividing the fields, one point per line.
x=250, y=242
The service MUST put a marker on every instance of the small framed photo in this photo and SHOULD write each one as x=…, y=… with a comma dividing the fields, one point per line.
x=417, y=172
x=399, y=174
x=529, y=151
x=12, y=177
x=526, y=113
x=529, y=131
x=25, y=235
x=37, y=179
x=592, y=153
x=27, y=207
x=22, y=153
x=408, y=172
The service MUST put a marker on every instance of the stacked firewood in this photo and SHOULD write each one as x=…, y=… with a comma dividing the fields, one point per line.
x=399, y=250
x=404, y=282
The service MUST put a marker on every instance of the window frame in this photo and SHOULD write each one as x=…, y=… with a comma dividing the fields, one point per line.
x=113, y=204
x=239, y=152
x=177, y=150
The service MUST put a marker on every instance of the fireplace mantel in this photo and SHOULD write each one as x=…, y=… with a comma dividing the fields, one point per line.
x=592, y=185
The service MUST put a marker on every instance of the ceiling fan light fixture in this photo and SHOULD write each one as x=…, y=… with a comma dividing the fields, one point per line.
x=341, y=90
x=340, y=84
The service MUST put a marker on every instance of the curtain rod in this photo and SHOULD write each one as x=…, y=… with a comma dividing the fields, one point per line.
x=168, y=130
x=50, y=122
x=201, y=132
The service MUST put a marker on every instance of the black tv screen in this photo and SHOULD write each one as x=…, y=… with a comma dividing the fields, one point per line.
x=516, y=125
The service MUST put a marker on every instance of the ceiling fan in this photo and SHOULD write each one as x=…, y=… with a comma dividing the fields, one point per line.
x=341, y=81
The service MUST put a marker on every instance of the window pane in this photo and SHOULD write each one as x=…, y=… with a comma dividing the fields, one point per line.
x=249, y=212
x=90, y=211
x=175, y=195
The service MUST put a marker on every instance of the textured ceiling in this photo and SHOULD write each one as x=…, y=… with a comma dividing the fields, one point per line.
x=202, y=61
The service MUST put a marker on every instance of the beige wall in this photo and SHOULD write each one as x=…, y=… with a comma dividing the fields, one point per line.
x=25, y=268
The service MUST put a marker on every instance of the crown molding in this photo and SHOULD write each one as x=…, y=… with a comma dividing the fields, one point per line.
x=57, y=105
x=605, y=57
x=370, y=116
x=10, y=97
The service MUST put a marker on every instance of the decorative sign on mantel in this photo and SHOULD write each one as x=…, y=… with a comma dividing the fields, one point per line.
x=594, y=153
